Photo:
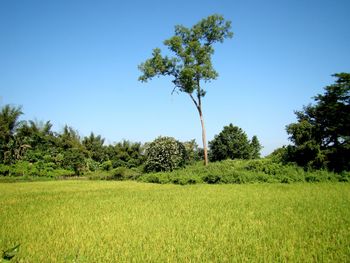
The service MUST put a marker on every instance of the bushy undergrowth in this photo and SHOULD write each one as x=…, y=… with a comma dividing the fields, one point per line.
x=26, y=169
x=242, y=171
x=223, y=172
x=119, y=174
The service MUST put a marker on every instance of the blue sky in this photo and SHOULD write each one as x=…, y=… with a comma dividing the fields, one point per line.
x=75, y=62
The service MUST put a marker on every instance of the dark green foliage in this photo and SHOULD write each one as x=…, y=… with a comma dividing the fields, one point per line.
x=118, y=174
x=165, y=154
x=193, y=152
x=74, y=160
x=123, y=173
x=10, y=148
x=94, y=146
x=279, y=155
x=106, y=166
x=321, y=136
x=232, y=143
x=255, y=148
x=32, y=149
x=125, y=154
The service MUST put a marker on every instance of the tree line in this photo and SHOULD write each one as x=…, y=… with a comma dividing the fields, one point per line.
x=320, y=140
x=32, y=147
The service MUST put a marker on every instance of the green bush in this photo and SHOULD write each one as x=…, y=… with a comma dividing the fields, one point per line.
x=243, y=171
x=156, y=178
x=59, y=173
x=120, y=174
x=344, y=177
x=165, y=154
x=4, y=170
x=123, y=173
x=23, y=168
x=183, y=179
x=92, y=165
x=106, y=166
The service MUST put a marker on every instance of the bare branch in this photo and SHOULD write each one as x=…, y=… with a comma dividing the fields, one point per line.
x=194, y=101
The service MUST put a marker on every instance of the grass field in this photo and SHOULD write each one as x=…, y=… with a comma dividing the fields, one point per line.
x=100, y=221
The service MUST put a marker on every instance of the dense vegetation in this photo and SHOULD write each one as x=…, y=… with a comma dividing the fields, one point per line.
x=232, y=143
x=243, y=171
x=29, y=148
x=320, y=150
x=321, y=136
x=96, y=221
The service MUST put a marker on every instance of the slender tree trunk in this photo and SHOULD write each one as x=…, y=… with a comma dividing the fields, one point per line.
x=204, y=138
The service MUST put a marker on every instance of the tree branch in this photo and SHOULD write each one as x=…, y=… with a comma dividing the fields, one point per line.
x=199, y=94
x=195, y=102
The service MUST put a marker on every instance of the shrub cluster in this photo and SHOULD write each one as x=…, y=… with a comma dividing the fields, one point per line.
x=118, y=174
x=165, y=154
x=243, y=171
x=39, y=169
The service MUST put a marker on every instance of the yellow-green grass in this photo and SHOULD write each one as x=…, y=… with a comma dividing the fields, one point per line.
x=99, y=221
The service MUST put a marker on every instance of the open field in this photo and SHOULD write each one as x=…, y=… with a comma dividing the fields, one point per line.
x=103, y=221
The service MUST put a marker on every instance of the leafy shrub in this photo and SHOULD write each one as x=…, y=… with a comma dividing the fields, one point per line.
x=184, y=179
x=106, y=166
x=156, y=178
x=243, y=171
x=212, y=179
x=58, y=173
x=123, y=173
x=344, y=177
x=74, y=160
x=4, y=170
x=165, y=154
x=92, y=165
x=120, y=174
x=322, y=176
x=23, y=168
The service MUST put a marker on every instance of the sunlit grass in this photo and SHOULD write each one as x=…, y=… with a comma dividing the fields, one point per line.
x=99, y=221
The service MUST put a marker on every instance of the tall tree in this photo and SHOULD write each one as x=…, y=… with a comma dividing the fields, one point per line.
x=231, y=143
x=9, y=116
x=255, y=148
x=94, y=146
x=9, y=122
x=321, y=136
x=193, y=48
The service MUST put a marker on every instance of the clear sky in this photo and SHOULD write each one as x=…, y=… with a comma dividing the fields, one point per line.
x=75, y=62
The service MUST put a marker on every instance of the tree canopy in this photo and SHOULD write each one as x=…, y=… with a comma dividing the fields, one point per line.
x=321, y=135
x=231, y=143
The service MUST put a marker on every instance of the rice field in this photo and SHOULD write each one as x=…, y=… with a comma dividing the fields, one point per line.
x=106, y=221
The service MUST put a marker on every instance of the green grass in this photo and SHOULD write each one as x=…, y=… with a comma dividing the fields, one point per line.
x=107, y=221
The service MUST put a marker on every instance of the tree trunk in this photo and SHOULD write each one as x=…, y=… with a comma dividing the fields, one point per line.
x=204, y=138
